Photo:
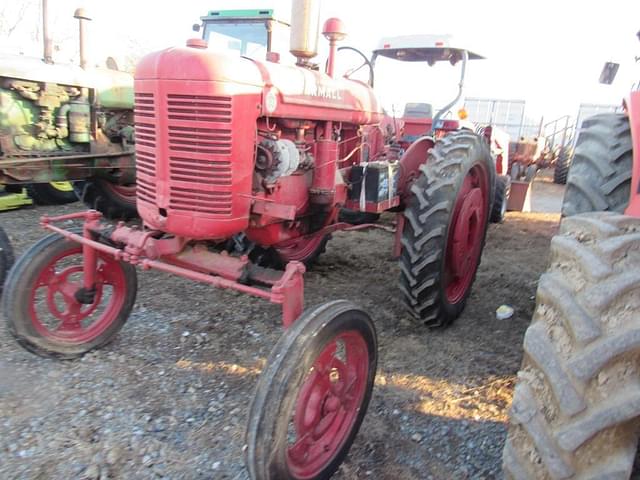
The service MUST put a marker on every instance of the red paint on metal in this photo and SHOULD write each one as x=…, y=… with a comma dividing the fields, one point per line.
x=633, y=109
x=199, y=258
x=328, y=404
x=289, y=291
x=466, y=231
x=141, y=243
x=415, y=156
x=54, y=310
x=324, y=173
x=275, y=210
x=334, y=31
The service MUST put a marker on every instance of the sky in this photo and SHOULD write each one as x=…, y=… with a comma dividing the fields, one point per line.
x=546, y=52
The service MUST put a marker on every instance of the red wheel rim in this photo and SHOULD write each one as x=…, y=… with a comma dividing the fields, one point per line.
x=328, y=404
x=126, y=193
x=58, y=316
x=300, y=249
x=466, y=232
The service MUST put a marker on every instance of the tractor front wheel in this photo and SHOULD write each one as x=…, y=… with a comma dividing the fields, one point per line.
x=313, y=394
x=114, y=201
x=445, y=228
x=43, y=306
x=576, y=406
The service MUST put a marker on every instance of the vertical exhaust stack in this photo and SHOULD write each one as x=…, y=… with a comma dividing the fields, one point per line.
x=46, y=38
x=305, y=27
x=82, y=17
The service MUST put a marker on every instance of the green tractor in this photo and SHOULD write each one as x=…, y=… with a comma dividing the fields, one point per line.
x=61, y=123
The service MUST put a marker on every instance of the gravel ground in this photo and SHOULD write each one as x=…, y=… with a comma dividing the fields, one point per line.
x=169, y=397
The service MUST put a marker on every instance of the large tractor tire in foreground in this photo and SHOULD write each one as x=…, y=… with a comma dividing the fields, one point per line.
x=600, y=175
x=445, y=227
x=115, y=202
x=6, y=257
x=577, y=401
x=53, y=193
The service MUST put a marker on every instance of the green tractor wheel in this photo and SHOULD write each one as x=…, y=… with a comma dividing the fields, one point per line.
x=53, y=193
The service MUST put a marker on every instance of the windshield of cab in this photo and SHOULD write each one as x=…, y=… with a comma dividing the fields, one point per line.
x=247, y=39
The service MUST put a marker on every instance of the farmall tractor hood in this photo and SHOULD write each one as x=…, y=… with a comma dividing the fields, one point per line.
x=287, y=91
x=114, y=88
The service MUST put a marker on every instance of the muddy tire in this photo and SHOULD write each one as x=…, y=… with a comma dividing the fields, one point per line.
x=357, y=218
x=42, y=309
x=312, y=395
x=54, y=193
x=600, y=175
x=6, y=257
x=577, y=401
x=445, y=228
x=113, y=201
x=561, y=168
x=500, y=199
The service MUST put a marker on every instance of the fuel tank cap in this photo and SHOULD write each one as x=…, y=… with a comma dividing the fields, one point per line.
x=197, y=43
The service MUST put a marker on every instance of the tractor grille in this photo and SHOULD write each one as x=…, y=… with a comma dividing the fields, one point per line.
x=144, y=108
x=199, y=142
x=197, y=138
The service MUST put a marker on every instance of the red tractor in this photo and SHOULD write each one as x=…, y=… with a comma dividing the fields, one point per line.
x=576, y=405
x=242, y=168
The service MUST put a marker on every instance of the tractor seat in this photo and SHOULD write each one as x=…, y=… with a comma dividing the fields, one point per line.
x=418, y=110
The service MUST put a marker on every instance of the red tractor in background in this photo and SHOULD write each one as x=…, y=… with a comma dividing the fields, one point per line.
x=242, y=168
x=576, y=406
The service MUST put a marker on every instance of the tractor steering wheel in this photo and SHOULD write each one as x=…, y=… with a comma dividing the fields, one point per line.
x=366, y=62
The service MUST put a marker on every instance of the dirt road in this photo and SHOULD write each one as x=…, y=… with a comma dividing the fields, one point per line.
x=168, y=398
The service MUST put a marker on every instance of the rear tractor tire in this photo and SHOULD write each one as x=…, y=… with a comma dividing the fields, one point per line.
x=576, y=406
x=312, y=395
x=600, y=175
x=53, y=193
x=42, y=307
x=115, y=202
x=445, y=227
x=500, y=199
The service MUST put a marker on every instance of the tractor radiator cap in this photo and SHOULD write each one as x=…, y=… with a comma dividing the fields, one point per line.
x=197, y=43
